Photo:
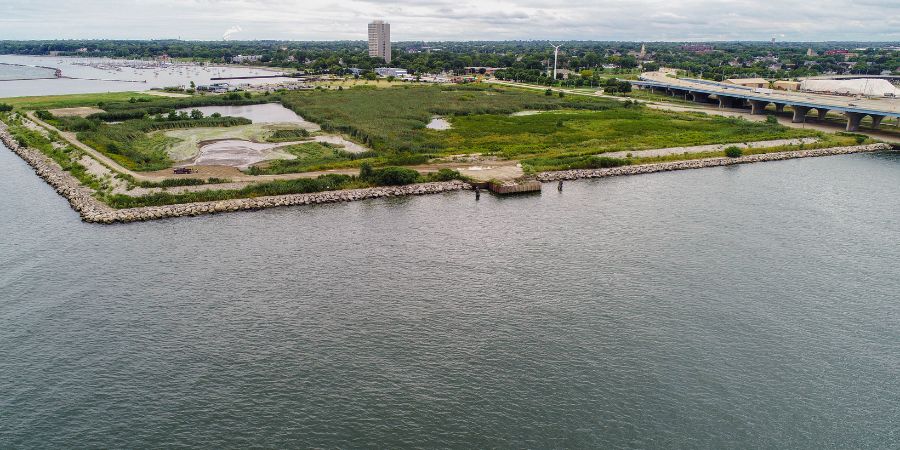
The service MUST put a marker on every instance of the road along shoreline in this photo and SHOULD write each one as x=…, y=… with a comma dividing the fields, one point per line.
x=93, y=210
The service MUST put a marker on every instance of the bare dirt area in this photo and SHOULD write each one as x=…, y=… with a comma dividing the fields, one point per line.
x=165, y=94
x=75, y=112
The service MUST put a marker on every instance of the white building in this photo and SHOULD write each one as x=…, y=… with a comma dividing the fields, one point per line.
x=245, y=58
x=380, y=40
x=391, y=72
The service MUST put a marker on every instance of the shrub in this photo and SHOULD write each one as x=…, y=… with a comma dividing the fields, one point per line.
x=548, y=92
x=733, y=152
x=388, y=176
x=771, y=119
x=288, y=135
x=561, y=94
x=444, y=175
x=5, y=108
x=603, y=162
x=43, y=115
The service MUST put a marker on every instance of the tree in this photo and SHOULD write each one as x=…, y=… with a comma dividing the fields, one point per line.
x=196, y=114
x=193, y=85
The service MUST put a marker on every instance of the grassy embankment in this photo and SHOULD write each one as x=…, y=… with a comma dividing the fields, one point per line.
x=368, y=177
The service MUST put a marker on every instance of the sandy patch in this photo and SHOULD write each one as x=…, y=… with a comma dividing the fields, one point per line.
x=349, y=146
x=73, y=112
x=239, y=153
x=708, y=148
x=165, y=94
x=439, y=123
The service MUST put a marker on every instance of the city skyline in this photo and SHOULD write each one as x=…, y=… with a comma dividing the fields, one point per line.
x=642, y=20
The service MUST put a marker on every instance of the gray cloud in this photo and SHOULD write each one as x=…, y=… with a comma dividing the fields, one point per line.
x=644, y=20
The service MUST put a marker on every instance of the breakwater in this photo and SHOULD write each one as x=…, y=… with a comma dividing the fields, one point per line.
x=575, y=174
x=93, y=210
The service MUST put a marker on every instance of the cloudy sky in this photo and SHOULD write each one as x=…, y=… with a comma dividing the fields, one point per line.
x=634, y=20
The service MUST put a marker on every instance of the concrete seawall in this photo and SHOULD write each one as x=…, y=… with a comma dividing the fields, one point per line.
x=92, y=210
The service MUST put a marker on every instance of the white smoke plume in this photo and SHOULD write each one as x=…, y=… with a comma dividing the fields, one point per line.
x=230, y=31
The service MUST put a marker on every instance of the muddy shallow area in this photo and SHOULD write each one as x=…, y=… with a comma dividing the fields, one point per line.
x=239, y=153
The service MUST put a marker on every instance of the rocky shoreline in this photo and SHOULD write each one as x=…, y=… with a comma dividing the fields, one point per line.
x=576, y=174
x=92, y=210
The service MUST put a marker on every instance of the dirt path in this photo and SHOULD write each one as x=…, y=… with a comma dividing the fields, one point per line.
x=708, y=148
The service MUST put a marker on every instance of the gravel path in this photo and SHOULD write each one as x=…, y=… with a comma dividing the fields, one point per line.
x=709, y=148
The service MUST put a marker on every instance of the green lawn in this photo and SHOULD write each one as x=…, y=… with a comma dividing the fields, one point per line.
x=309, y=157
x=393, y=120
x=72, y=100
x=556, y=139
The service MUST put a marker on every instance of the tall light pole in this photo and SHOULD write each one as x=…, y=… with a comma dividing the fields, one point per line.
x=555, y=59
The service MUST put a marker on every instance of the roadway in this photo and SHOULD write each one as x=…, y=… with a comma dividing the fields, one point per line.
x=801, y=102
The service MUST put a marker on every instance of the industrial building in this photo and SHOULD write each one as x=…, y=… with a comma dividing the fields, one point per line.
x=391, y=72
x=380, y=40
x=749, y=82
x=785, y=85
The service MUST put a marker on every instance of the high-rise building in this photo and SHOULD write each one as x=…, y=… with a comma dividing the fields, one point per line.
x=380, y=40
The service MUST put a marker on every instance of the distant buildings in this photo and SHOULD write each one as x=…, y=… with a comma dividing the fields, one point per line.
x=239, y=59
x=748, y=82
x=697, y=48
x=482, y=70
x=380, y=40
x=784, y=85
x=391, y=72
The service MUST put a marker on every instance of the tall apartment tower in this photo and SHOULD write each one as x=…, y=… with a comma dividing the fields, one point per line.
x=380, y=40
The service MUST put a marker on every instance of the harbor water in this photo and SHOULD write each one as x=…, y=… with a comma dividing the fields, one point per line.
x=751, y=306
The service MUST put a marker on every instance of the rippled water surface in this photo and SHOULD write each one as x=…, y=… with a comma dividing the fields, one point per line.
x=740, y=307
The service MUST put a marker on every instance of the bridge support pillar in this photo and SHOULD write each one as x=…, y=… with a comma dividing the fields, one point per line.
x=800, y=113
x=699, y=97
x=779, y=107
x=725, y=102
x=822, y=113
x=876, y=120
x=758, y=107
x=853, y=120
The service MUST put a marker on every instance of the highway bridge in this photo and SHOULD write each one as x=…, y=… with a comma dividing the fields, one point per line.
x=801, y=103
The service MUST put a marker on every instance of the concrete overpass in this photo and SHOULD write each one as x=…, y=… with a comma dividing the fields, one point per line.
x=729, y=95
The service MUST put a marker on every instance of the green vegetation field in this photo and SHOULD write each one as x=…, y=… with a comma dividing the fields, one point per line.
x=569, y=131
x=71, y=100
